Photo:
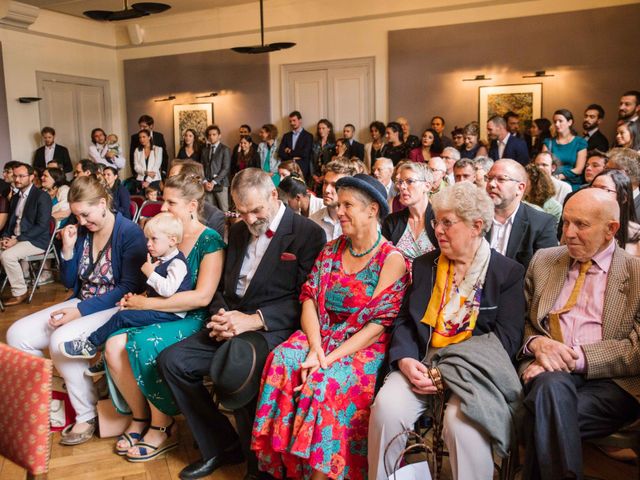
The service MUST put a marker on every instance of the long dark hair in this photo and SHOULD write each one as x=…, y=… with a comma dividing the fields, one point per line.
x=396, y=127
x=93, y=132
x=331, y=138
x=569, y=116
x=544, y=125
x=196, y=141
x=113, y=170
x=624, y=197
x=148, y=133
x=436, y=146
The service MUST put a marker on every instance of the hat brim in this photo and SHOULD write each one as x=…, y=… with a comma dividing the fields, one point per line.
x=376, y=195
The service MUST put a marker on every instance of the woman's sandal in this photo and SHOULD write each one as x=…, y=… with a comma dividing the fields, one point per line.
x=133, y=438
x=148, y=451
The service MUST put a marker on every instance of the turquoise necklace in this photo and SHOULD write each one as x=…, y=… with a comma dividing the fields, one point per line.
x=359, y=255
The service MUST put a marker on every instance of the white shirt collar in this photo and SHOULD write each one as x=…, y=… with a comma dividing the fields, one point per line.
x=275, y=223
x=169, y=256
x=52, y=147
x=636, y=192
x=508, y=221
x=505, y=139
x=26, y=192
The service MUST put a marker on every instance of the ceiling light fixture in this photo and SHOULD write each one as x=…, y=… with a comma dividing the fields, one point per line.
x=539, y=74
x=166, y=99
x=137, y=10
x=212, y=94
x=477, y=78
x=262, y=48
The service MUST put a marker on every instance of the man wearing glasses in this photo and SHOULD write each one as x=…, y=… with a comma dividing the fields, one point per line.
x=518, y=229
x=26, y=233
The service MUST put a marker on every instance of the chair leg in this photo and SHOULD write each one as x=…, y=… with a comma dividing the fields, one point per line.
x=37, y=279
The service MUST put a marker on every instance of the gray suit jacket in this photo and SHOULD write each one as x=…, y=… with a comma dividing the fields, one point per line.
x=218, y=165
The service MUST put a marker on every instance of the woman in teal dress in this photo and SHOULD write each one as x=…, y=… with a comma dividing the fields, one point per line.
x=268, y=151
x=134, y=381
x=569, y=148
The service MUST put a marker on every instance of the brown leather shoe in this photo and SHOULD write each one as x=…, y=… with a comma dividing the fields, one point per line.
x=16, y=300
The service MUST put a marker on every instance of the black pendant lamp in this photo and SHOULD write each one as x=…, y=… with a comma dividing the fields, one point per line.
x=137, y=10
x=262, y=48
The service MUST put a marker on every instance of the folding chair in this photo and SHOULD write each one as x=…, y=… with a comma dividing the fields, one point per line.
x=133, y=209
x=138, y=199
x=148, y=209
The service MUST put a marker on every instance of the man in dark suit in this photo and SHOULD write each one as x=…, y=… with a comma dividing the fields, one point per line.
x=297, y=144
x=504, y=144
x=438, y=124
x=145, y=122
x=518, y=230
x=269, y=257
x=26, y=232
x=512, y=119
x=356, y=148
x=593, y=116
x=51, y=151
x=216, y=159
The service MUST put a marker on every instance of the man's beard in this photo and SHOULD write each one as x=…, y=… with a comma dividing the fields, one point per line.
x=623, y=116
x=259, y=227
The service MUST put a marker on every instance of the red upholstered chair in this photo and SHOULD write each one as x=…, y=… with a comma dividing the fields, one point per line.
x=25, y=400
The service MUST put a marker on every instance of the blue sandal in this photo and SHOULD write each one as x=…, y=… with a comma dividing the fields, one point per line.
x=133, y=438
x=148, y=451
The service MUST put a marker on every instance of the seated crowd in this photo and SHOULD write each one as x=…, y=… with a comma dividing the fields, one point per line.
x=350, y=286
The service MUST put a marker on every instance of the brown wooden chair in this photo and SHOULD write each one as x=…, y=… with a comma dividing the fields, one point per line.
x=628, y=437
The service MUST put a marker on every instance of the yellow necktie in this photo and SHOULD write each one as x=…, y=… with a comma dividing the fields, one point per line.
x=554, y=317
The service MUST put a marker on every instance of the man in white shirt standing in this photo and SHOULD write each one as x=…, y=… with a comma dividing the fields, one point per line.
x=327, y=217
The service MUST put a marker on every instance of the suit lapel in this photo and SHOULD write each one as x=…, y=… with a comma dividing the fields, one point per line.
x=241, y=245
x=615, y=295
x=520, y=224
x=550, y=292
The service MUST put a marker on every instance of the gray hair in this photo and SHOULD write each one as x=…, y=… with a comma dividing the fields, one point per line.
x=420, y=169
x=498, y=121
x=627, y=160
x=250, y=179
x=455, y=153
x=484, y=162
x=472, y=129
x=467, y=201
x=386, y=162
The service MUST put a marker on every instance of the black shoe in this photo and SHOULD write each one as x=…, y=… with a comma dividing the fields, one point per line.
x=202, y=468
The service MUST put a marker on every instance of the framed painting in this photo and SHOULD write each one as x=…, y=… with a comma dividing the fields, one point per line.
x=197, y=116
x=524, y=99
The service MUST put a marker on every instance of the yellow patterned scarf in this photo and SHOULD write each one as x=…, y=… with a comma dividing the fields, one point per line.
x=453, y=311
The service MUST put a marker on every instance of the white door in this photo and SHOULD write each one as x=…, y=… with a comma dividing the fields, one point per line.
x=308, y=95
x=349, y=99
x=59, y=107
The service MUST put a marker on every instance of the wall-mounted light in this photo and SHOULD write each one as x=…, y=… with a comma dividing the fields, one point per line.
x=166, y=99
x=477, y=78
x=539, y=74
x=29, y=99
x=212, y=94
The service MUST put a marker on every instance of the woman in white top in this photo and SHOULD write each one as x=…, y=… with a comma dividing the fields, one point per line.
x=99, y=150
x=54, y=183
x=147, y=161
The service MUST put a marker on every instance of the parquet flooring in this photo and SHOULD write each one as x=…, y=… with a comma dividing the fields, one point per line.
x=95, y=460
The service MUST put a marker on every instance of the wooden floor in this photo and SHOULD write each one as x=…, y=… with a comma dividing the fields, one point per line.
x=96, y=460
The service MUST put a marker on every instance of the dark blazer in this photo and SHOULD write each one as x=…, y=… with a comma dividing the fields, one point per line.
x=275, y=287
x=636, y=205
x=394, y=225
x=502, y=307
x=121, y=201
x=236, y=151
x=182, y=154
x=598, y=141
x=60, y=155
x=303, y=149
x=356, y=149
x=34, y=226
x=158, y=140
x=531, y=231
x=218, y=166
x=128, y=253
x=214, y=218
x=515, y=149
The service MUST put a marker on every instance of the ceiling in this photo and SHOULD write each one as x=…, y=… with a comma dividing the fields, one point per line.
x=76, y=7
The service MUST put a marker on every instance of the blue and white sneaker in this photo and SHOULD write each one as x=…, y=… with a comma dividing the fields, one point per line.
x=96, y=369
x=78, y=348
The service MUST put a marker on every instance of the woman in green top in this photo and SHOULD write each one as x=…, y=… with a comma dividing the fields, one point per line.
x=568, y=147
x=268, y=151
x=134, y=381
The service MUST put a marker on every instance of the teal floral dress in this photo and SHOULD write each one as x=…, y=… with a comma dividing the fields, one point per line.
x=144, y=344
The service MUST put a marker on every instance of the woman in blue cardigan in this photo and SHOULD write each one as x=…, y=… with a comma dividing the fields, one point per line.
x=100, y=260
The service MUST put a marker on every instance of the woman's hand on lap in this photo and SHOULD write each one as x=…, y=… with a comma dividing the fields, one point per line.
x=133, y=302
x=314, y=361
x=64, y=315
x=416, y=373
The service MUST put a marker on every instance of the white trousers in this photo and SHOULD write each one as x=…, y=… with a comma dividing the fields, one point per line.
x=397, y=408
x=33, y=334
x=10, y=259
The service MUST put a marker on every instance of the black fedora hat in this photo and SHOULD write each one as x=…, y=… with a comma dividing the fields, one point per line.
x=236, y=369
x=371, y=186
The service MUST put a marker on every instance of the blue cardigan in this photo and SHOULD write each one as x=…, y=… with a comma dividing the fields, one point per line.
x=128, y=253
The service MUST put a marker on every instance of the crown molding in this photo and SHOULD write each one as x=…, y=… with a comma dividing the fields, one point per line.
x=18, y=15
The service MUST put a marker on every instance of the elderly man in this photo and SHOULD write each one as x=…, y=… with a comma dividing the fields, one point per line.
x=505, y=144
x=450, y=155
x=546, y=162
x=519, y=230
x=464, y=170
x=439, y=169
x=269, y=257
x=482, y=165
x=383, y=171
x=582, y=358
x=411, y=141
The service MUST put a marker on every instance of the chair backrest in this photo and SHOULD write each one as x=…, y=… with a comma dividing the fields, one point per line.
x=150, y=209
x=133, y=209
x=138, y=199
x=53, y=223
x=25, y=402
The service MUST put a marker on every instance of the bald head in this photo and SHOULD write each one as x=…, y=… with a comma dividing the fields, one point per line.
x=513, y=169
x=590, y=221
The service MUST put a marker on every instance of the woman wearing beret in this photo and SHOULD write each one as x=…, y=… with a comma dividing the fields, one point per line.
x=313, y=408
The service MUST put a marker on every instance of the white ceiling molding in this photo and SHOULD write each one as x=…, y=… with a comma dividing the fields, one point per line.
x=16, y=14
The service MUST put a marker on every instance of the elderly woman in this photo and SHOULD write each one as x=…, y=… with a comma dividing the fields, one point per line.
x=460, y=290
x=101, y=260
x=313, y=408
x=410, y=229
x=135, y=384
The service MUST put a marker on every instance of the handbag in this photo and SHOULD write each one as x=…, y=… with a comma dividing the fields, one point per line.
x=62, y=412
x=411, y=471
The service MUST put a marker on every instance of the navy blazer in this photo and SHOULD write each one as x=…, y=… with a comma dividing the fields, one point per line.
x=128, y=253
x=121, y=201
x=515, y=149
x=304, y=147
x=60, y=155
x=275, y=286
x=502, y=307
x=356, y=149
x=36, y=215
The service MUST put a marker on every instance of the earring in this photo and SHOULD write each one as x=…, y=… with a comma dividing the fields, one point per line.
x=104, y=213
x=191, y=216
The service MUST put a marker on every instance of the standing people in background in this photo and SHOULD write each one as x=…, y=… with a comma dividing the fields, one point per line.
x=51, y=151
x=383, y=171
x=54, y=183
x=504, y=144
x=472, y=147
x=268, y=151
x=430, y=146
x=100, y=151
x=324, y=148
x=569, y=148
x=247, y=156
x=190, y=148
x=395, y=148
x=297, y=145
x=342, y=148
x=216, y=159
x=145, y=122
x=438, y=124
x=457, y=137
x=147, y=162
x=593, y=116
x=512, y=119
x=373, y=149
x=629, y=107
x=539, y=131
x=450, y=155
x=547, y=163
x=120, y=198
x=26, y=232
x=628, y=135
x=243, y=131
x=356, y=149
x=410, y=141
